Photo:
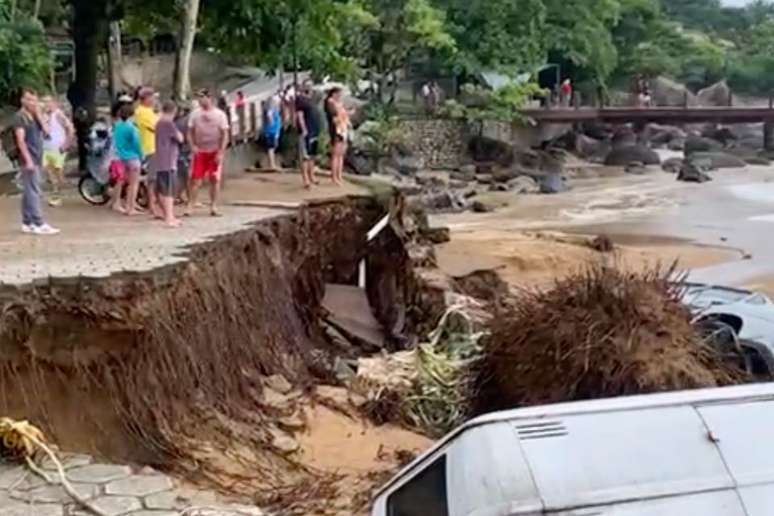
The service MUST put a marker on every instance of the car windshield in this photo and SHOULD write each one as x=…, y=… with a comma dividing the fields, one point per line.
x=713, y=295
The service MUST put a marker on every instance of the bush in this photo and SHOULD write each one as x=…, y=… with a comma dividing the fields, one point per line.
x=752, y=75
x=25, y=60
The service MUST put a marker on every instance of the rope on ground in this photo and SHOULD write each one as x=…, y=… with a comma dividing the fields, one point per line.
x=23, y=439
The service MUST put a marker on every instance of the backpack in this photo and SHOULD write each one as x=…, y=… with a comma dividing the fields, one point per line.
x=8, y=143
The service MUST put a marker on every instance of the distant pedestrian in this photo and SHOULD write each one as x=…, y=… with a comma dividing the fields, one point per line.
x=146, y=118
x=223, y=105
x=338, y=128
x=208, y=134
x=240, y=100
x=272, y=128
x=29, y=130
x=61, y=136
x=184, y=157
x=427, y=97
x=565, y=93
x=128, y=148
x=308, y=121
x=164, y=161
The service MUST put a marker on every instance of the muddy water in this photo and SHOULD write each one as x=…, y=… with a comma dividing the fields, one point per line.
x=728, y=221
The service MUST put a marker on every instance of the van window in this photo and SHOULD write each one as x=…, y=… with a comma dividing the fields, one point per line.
x=424, y=495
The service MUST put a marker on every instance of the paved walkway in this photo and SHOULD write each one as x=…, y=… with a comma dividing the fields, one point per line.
x=115, y=490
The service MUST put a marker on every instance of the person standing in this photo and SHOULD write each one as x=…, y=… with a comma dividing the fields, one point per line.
x=184, y=157
x=208, y=137
x=164, y=162
x=61, y=135
x=338, y=127
x=29, y=130
x=565, y=93
x=272, y=128
x=308, y=123
x=145, y=118
x=128, y=146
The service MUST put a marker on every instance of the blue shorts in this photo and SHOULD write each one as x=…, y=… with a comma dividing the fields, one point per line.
x=271, y=141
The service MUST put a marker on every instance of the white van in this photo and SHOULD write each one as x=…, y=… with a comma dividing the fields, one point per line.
x=702, y=453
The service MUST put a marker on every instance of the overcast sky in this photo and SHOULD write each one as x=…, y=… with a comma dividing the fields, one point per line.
x=736, y=2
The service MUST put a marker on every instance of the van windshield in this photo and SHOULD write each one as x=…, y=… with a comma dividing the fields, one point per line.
x=423, y=495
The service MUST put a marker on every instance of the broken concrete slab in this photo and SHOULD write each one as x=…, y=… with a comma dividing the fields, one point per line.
x=350, y=312
x=139, y=485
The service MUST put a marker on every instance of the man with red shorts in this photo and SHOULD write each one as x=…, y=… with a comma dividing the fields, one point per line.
x=208, y=135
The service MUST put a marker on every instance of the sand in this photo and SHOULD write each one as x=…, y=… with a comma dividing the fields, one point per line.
x=534, y=259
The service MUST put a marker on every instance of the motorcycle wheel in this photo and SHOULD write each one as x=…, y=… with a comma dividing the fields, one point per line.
x=93, y=192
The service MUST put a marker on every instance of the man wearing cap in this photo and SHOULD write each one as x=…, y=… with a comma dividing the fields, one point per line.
x=145, y=118
x=208, y=137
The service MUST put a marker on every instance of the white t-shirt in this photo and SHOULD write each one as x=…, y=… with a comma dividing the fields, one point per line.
x=207, y=125
x=57, y=134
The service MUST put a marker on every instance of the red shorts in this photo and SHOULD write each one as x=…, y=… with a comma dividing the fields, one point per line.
x=206, y=165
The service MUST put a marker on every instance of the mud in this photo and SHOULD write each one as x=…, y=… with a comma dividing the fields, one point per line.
x=166, y=368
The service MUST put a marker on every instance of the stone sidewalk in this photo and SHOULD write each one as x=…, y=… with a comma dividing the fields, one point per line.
x=115, y=490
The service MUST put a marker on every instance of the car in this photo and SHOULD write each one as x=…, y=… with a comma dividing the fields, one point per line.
x=669, y=454
x=742, y=316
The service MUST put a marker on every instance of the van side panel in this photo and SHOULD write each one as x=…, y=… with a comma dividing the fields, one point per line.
x=488, y=475
x=718, y=503
x=602, y=458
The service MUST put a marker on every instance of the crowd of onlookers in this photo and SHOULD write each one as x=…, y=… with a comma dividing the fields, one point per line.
x=173, y=148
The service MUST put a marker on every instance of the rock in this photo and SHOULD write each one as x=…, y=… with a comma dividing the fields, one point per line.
x=465, y=173
x=503, y=175
x=430, y=181
x=716, y=95
x=408, y=165
x=719, y=159
x=437, y=235
x=624, y=137
x=672, y=165
x=664, y=134
x=587, y=147
x=360, y=164
x=700, y=144
x=469, y=194
x=457, y=185
x=524, y=185
x=676, y=145
x=294, y=422
x=724, y=135
x=485, y=179
x=692, y=173
x=484, y=149
x=622, y=156
x=139, y=485
x=481, y=207
x=602, y=244
x=757, y=160
x=278, y=383
x=553, y=184
x=635, y=168
x=273, y=399
x=282, y=442
x=666, y=92
x=499, y=187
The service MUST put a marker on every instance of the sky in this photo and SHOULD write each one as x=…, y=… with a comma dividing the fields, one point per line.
x=735, y=3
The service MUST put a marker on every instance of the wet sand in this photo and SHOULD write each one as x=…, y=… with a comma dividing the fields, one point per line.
x=716, y=230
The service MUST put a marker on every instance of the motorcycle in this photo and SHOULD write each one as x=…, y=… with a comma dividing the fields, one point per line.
x=98, y=184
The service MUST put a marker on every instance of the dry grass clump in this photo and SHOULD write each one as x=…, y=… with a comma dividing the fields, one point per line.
x=598, y=333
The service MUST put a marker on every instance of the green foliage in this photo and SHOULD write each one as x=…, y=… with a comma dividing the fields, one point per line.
x=503, y=104
x=24, y=57
x=498, y=35
x=753, y=75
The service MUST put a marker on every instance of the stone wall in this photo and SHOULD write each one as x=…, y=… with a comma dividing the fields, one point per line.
x=441, y=142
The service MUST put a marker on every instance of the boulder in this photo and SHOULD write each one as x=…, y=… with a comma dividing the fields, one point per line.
x=666, y=92
x=635, y=168
x=482, y=207
x=407, y=165
x=676, y=145
x=499, y=187
x=692, y=173
x=700, y=144
x=672, y=165
x=624, y=137
x=553, y=184
x=757, y=160
x=545, y=161
x=485, y=149
x=718, y=159
x=465, y=173
x=724, y=135
x=503, y=175
x=622, y=156
x=588, y=147
x=524, y=185
x=716, y=95
x=359, y=163
x=658, y=134
x=485, y=179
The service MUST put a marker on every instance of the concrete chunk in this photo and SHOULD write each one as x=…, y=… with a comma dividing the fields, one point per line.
x=98, y=473
x=139, y=485
x=113, y=506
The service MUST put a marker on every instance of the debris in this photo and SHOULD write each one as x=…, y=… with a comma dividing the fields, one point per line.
x=553, y=184
x=481, y=207
x=524, y=185
x=693, y=172
x=602, y=244
x=278, y=383
x=597, y=333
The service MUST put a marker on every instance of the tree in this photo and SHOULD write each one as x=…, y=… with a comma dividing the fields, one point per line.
x=182, y=82
x=24, y=56
x=497, y=34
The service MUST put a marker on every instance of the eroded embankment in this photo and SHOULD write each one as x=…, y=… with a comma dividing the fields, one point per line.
x=145, y=367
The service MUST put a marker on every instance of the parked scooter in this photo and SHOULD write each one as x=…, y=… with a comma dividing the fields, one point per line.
x=98, y=185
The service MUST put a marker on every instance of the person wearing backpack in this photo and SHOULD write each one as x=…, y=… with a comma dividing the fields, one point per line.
x=29, y=131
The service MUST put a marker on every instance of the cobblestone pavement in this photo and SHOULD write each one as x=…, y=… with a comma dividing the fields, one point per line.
x=115, y=490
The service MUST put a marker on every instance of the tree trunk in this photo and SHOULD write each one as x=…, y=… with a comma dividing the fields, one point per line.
x=36, y=10
x=90, y=27
x=114, y=58
x=185, y=49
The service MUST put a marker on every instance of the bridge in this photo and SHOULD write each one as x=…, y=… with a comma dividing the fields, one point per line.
x=660, y=115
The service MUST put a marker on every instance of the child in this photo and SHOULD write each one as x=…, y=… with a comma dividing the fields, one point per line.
x=164, y=161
